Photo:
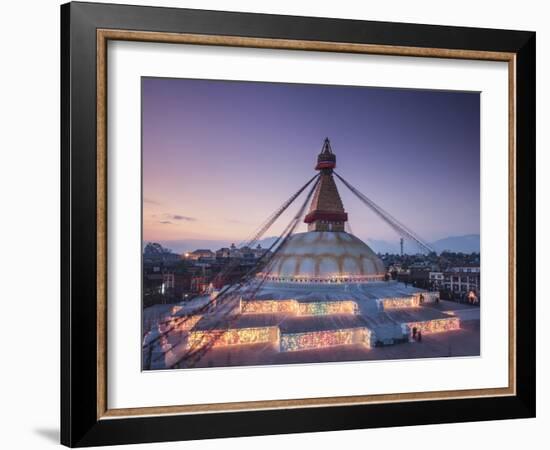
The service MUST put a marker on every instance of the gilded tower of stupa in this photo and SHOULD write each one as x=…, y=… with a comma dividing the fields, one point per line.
x=326, y=212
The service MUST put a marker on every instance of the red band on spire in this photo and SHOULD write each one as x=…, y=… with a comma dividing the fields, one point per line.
x=328, y=216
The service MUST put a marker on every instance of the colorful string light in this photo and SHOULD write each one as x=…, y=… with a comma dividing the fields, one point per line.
x=331, y=279
x=233, y=336
x=323, y=339
x=297, y=308
x=435, y=326
x=326, y=308
x=400, y=302
x=269, y=306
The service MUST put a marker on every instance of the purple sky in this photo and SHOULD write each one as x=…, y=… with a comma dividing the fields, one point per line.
x=219, y=157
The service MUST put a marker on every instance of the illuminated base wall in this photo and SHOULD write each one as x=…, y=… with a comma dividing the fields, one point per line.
x=399, y=302
x=297, y=308
x=323, y=339
x=285, y=342
x=326, y=308
x=433, y=326
x=321, y=308
x=235, y=336
x=310, y=340
x=306, y=340
x=269, y=306
x=412, y=301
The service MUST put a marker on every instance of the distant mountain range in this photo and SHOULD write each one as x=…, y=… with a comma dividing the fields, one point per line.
x=466, y=244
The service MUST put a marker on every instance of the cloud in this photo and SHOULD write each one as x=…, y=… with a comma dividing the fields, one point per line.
x=150, y=201
x=186, y=218
x=168, y=218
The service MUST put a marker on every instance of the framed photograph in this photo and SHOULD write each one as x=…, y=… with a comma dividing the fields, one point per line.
x=276, y=224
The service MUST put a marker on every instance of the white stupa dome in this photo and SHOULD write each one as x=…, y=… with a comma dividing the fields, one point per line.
x=325, y=257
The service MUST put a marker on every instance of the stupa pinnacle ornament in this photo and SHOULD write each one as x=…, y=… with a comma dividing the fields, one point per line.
x=326, y=159
x=326, y=212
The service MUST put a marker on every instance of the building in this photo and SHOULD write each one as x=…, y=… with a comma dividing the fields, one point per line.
x=463, y=283
x=155, y=254
x=323, y=288
x=168, y=280
x=223, y=253
x=200, y=254
x=436, y=279
x=244, y=252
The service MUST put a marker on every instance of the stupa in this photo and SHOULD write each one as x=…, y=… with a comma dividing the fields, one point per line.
x=324, y=291
x=326, y=253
